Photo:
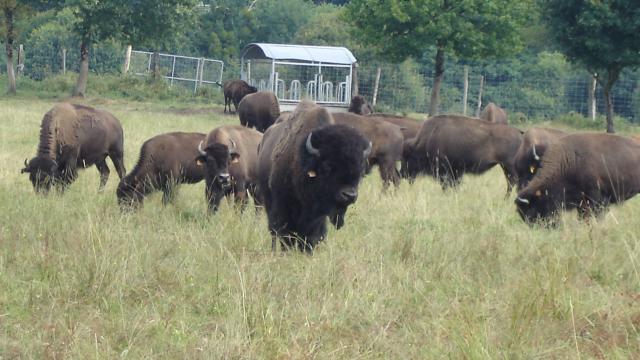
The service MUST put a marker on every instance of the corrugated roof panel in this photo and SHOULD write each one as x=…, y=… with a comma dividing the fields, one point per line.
x=323, y=54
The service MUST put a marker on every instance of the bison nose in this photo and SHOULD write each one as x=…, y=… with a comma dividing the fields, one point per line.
x=223, y=179
x=348, y=196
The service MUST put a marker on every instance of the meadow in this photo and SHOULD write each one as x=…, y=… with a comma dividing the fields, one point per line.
x=416, y=273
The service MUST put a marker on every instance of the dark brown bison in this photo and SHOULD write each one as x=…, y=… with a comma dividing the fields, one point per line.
x=582, y=171
x=234, y=91
x=165, y=161
x=229, y=156
x=309, y=169
x=71, y=137
x=448, y=146
x=360, y=106
x=386, y=140
x=409, y=127
x=493, y=113
x=535, y=142
x=259, y=110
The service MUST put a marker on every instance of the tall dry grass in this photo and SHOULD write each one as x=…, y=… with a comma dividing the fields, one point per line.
x=416, y=273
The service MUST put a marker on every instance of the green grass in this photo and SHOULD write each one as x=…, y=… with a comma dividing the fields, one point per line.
x=416, y=273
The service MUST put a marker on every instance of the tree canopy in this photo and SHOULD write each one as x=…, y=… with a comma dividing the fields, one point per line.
x=600, y=35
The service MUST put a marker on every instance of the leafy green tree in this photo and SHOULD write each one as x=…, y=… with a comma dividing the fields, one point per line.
x=470, y=29
x=157, y=24
x=279, y=20
x=600, y=35
x=97, y=20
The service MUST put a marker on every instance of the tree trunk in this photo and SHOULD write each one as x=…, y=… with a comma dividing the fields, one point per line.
x=437, y=81
x=612, y=77
x=81, y=85
x=11, y=76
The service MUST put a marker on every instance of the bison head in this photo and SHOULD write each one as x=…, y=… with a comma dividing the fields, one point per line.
x=130, y=192
x=216, y=159
x=528, y=165
x=360, y=106
x=42, y=173
x=334, y=159
x=536, y=204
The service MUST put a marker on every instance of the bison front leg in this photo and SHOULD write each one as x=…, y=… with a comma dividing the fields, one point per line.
x=104, y=174
x=117, y=158
x=389, y=174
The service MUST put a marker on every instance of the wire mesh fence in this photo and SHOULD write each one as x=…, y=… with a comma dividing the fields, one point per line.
x=402, y=87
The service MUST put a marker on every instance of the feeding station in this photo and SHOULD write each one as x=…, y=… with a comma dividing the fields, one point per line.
x=322, y=74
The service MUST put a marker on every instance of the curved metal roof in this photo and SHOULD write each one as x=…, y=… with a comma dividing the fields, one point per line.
x=316, y=54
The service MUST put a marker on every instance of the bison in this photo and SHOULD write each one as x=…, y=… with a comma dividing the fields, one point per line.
x=75, y=136
x=582, y=171
x=360, y=106
x=165, y=161
x=531, y=151
x=493, y=113
x=229, y=156
x=448, y=146
x=259, y=110
x=386, y=139
x=309, y=169
x=234, y=91
x=408, y=126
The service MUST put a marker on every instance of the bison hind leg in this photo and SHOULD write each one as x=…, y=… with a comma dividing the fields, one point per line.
x=104, y=173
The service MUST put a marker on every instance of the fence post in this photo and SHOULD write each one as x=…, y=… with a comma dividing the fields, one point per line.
x=354, y=89
x=127, y=60
x=375, y=87
x=592, y=97
x=195, y=85
x=465, y=92
x=20, y=67
x=480, y=96
x=64, y=61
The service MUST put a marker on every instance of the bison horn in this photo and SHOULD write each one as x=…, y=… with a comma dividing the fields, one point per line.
x=26, y=163
x=202, y=152
x=367, y=151
x=524, y=201
x=233, y=143
x=535, y=156
x=313, y=151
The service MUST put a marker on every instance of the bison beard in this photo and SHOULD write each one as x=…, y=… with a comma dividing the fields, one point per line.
x=324, y=182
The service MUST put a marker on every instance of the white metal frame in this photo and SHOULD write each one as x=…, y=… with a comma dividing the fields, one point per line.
x=200, y=68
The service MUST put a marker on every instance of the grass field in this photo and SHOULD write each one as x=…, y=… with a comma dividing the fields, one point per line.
x=414, y=274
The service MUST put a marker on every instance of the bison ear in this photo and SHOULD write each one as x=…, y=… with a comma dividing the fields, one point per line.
x=201, y=160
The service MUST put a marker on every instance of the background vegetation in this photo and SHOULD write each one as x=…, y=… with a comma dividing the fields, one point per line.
x=415, y=273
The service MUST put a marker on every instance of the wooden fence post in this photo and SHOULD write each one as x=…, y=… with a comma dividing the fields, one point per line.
x=127, y=60
x=20, y=66
x=64, y=60
x=480, y=96
x=592, y=97
x=465, y=92
x=375, y=87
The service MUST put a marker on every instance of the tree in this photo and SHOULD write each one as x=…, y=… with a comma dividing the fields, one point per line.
x=470, y=29
x=97, y=20
x=279, y=20
x=155, y=24
x=600, y=35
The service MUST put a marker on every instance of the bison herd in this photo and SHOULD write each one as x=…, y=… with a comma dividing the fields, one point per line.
x=305, y=166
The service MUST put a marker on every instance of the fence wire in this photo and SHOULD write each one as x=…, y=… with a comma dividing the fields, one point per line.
x=402, y=87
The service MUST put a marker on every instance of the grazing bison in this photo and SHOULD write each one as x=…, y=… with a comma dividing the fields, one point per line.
x=259, y=110
x=165, y=161
x=386, y=140
x=493, y=113
x=235, y=90
x=71, y=137
x=531, y=151
x=309, y=169
x=360, y=106
x=448, y=146
x=583, y=171
x=229, y=156
x=409, y=127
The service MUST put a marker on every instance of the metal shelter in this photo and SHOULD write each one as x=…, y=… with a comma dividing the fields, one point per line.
x=295, y=72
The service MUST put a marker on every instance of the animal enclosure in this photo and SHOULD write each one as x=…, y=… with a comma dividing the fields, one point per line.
x=322, y=74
